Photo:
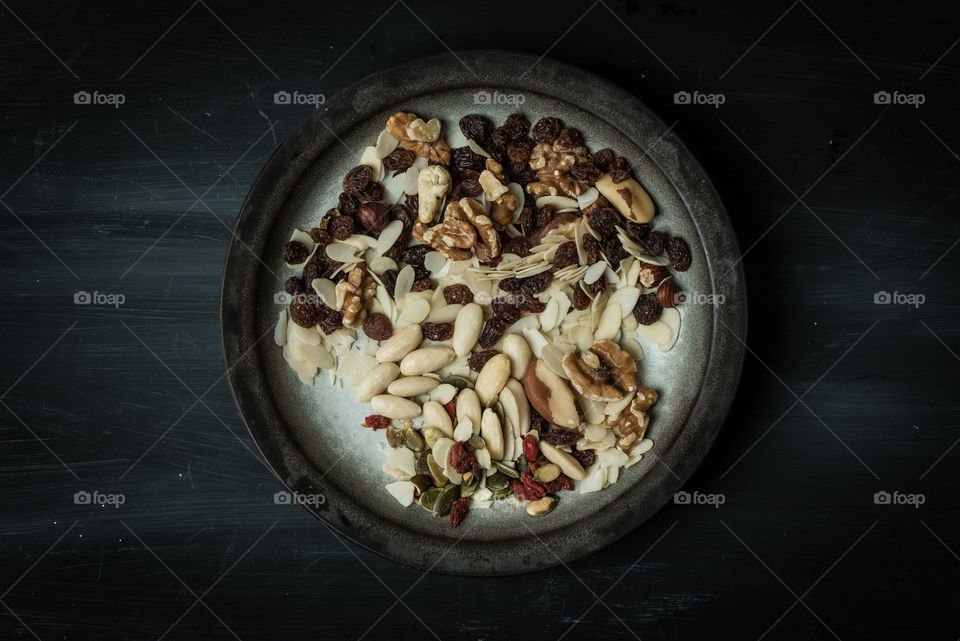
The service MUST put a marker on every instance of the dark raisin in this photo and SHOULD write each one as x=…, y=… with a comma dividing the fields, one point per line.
x=295, y=252
x=500, y=138
x=538, y=423
x=597, y=286
x=399, y=246
x=389, y=279
x=437, y=331
x=293, y=285
x=348, y=204
x=559, y=436
x=604, y=221
x=619, y=170
x=423, y=285
x=492, y=331
x=357, y=178
x=679, y=253
x=499, y=153
x=603, y=159
x=657, y=242
x=511, y=284
x=547, y=130
x=519, y=246
x=478, y=359
x=466, y=158
x=371, y=191
x=566, y=255
x=414, y=256
x=311, y=271
x=528, y=217
x=538, y=283
x=585, y=458
x=330, y=320
x=471, y=187
x=341, y=227
x=581, y=300
x=458, y=294
x=647, y=309
x=636, y=231
x=544, y=215
x=493, y=262
x=519, y=150
x=613, y=249
x=399, y=159
x=516, y=126
x=505, y=310
x=586, y=171
x=528, y=302
x=321, y=236
x=302, y=311
x=570, y=137
x=525, y=176
x=411, y=203
x=591, y=248
x=377, y=326
x=477, y=128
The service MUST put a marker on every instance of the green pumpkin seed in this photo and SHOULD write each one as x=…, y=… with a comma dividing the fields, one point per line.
x=506, y=469
x=547, y=473
x=394, y=438
x=436, y=471
x=467, y=489
x=476, y=442
x=422, y=482
x=459, y=382
x=413, y=440
x=445, y=500
x=522, y=465
x=421, y=466
x=431, y=435
x=500, y=494
x=497, y=481
x=429, y=498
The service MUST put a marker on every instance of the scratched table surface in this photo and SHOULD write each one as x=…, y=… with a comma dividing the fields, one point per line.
x=135, y=505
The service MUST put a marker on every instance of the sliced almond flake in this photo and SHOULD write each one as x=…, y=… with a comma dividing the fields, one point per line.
x=360, y=241
x=508, y=258
x=296, y=333
x=588, y=197
x=632, y=347
x=303, y=237
x=388, y=236
x=536, y=340
x=594, y=273
x=326, y=290
x=671, y=317
x=512, y=231
x=629, y=323
x=342, y=252
x=634, y=459
x=609, y=323
x=455, y=138
x=410, y=177
x=383, y=297
x=557, y=202
x=534, y=270
x=551, y=253
x=578, y=238
x=483, y=458
x=583, y=337
x=402, y=491
x=414, y=313
x=393, y=188
x=642, y=447
x=434, y=261
x=627, y=298
x=553, y=357
x=594, y=481
x=386, y=143
x=404, y=282
x=553, y=239
x=280, y=330
x=611, y=275
x=463, y=431
x=613, y=474
x=477, y=149
x=590, y=230
x=382, y=264
x=634, y=274
x=592, y=410
x=595, y=432
x=550, y=316
x=370, y=158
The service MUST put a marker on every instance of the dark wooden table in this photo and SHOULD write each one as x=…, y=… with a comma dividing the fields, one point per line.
x=836, y=197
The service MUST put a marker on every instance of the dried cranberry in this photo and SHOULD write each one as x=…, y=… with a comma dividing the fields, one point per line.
x=478, y=359
x=458, y=511
x=581, y=300
x=519, y=150
x=466, y=158
x=603, y=159
x=437, y=331
x=477, y=128
x=399, y=159
x=619, y=170
x=538, y=283
x=451, y=407
x=679, y=253
x=348, y=204
x=604, y=221
x=547, y=129
x=492, y=331
x=293, y=285
x=295, y=252
x=458, y=294
x=519, y=246
x=566, y=255
x=534, y=488
x=647, y=309
x=377, y=422
x=357, y=178
x=570, y=137
x=530, y=448
x=423, y=285
x=341, y=227
x=377, y=326
x=657, y=241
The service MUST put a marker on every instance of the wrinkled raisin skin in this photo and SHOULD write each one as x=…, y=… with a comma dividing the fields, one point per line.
x=619, y=170
x=604, y=221
x=512, y=284
x=637, y=231
x=423, y=285
x=377, y=326
x=293, y=285
x=348, y=204
x=519, y=150
x=505, y=310
x=557, y=435
x=295, y=252
x=478, y=359
x=492, y=331
x=591, y=248
x=538, y=283
x=357, y=178
x=528, y=302
x=547, y=129
x=437, y=331
x=519, y=246
x=330, y=320
x=657, y=242
x=603, y=159
x=585, y=458
x=516, y=126
x=647, y=309
x=581, y=300
x=679, y=253
x=303, y=312
x=566, y=255
x=477, y=128
x=466, y=158
x=586, y=171
x=389, y=279
x=341, y=227
x=371, y=191
x=399, y=159
x=570, y=137
x=458, y=294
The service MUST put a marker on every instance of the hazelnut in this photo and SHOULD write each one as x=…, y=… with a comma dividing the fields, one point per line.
x=652, y=275
x=668, y=294
x=373, y=216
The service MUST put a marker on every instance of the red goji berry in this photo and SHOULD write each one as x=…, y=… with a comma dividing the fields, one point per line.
x=451, y=408
x=530, y=448
x=459, y=510
x=377, y=422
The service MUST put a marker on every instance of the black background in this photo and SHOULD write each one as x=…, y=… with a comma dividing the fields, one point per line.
x=98, y=398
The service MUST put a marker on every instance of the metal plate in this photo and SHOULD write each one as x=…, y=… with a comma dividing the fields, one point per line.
x=311, y=436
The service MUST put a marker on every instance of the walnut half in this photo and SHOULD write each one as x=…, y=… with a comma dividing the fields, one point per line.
x=488, y=241
x=603, y=373
x=351, y=293
x=401, y=125
x=632, y=421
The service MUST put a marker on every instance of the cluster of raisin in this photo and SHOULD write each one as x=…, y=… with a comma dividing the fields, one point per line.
x=359, y=182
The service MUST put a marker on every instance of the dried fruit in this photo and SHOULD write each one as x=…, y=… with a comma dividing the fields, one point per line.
x=591, y=248
x=321, y=236
x=604, y=221
x=329, y=320
x=371, y=191
x=570, y=137
x=357, y=178
x=519, y=246
x=530, y=448
x=586, y=171
x=341, y=227
x=581, y=300
x=603, y=159
x=424, y=284
x=619, y=170
x=437, y=331
x=293, y=285
x=505, y=310
x=556, y=435
x=636, y=231
x=537, y=283
x=295, y=252
x=613, y=249
x=679, y=253
x=544, y=216
x=492, y=331
x=302, y=311
x=466, y=158
x=477, y=128
x=458, y=511
x=585, y=458
x=669, y=295
x=519, y=150
x=389, y=279
x=377, y=326
x=512, y=284
x=566, y=255
x=516, y=125
x=458, y=294
x=547, y=130
x=377, y=422
x=399, y=159
x=647, y=309
x=528, y=303
x=656, y=242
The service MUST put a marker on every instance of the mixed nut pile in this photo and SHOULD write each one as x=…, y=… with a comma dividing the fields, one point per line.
x=485, y=292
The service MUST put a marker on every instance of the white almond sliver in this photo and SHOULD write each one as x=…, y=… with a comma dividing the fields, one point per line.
x=455, y=138
x=593, y=274
x=477, y=149
x=550, y=316
x=557, y=202
x=303, y=237
x=463, y=431
x=382, y=264
x=657, y=332
x=609, y=322
x=280, y=331
x=402, y=491
x=553, y=357
x=627, y=298
x=389, y=236
x=402, y=459
x=595, y=432
x=415, y=313
x=386, y=143
x=642, y=447
x=326, y=290
x=404, y=283
x=370, y=158
x=588, y=197
x=612, y=457
x=594, y=481
x=342, y=252
x=434, y=261
x=671, y=317
x=632, y=347
x=302, y=334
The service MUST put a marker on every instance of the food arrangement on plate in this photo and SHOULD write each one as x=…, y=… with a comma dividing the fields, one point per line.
x=486, y=290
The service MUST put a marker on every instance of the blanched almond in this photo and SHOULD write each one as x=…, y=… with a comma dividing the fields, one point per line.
x=468, y=407
x=395, y=407
x=377, y=381
x=426, y=360
x=435, y=415
x=492, y=433
x=400, y=344
x=518, y=351
x=467, y=328
x=523, y=405
x=570, y=466
x=411, y=385
x=492, y=377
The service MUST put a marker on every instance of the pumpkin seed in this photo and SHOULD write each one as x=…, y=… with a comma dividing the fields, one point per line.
x=394, y=438
x=460, y=382
x=413, y=440
x=547, y=473
x=431, y=435
x=422, y=482
x=421, y=466
x=476, y=442
x=500, y=494
x=429, y=498
x=522, y=465
x=467, y=489
x=497, y=481
x=436, y=471
x=445, y=500
x=506, y=469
